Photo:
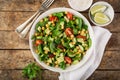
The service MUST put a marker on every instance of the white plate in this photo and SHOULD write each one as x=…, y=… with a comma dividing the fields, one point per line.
x=80, y=5
x=72, y=67
x=109, y=12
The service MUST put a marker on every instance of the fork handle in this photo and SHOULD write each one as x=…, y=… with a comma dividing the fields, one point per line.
x=22, y=26
x=26, y=30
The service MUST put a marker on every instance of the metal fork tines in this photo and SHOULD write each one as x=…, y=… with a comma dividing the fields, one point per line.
x=46, y=3
x=24, y=28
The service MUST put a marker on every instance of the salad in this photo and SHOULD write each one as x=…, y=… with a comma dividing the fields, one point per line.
x=61, y=39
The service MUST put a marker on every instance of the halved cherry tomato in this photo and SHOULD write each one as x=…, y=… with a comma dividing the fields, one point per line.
x=38, y=42
x=52, y=18
x=51, y=55
x=69, y=15
x=68, y=31
x=68, y=60
x=60, y=46
x=83, y=37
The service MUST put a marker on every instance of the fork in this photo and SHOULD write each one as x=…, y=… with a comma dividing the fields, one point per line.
x=24, y=28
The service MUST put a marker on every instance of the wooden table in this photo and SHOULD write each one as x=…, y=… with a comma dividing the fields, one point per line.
x=15, y=53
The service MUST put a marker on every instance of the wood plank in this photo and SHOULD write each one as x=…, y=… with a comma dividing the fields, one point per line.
x=18, y=59
x=33, y=5
x=17, y=5
x=49, y=75
x=11, y=40
x=105, y=75
x=17, y=43
x=17, y=75
x=15, y=59
x=11, y=20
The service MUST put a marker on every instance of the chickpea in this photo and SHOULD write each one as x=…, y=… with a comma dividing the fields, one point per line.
x=47, y=25
x=66, y=12
x=77, y=47
x=54, y=53
x=36, y=34
x=46, y=52
x=50, y=15
x=53, y=24
x=48, y=64
x=79, y=32
x=43, y=28
x=56, y=62
x=72, y=36
x=36, y=51
x=41, y=20
x=56, y=66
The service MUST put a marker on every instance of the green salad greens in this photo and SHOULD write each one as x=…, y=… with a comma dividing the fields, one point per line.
x=61, y=39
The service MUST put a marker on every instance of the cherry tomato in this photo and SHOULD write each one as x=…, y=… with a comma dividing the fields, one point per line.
x=68, y=31
x=83, y=37
x=68, y=60
x=60, y=46
x=52, y=18
x=38, y=42
x=69, y=15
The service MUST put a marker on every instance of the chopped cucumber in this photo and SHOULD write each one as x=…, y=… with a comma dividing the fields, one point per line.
x=89, y=42
x=79, y=23
x=46, y=48
x=71, y=54
x=81, y=48
x=49, y=60
x=71, y=45
x=75, y=62
x=80, y=40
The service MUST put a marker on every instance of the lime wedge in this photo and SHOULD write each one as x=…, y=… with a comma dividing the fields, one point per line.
x=97, y=8
x=101, y=18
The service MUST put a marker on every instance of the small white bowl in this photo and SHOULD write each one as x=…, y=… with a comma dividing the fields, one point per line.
x=77, y=4
x=86, y=56
x=109, y=12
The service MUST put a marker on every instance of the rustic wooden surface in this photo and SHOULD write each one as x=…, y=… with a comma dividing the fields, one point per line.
x=15, y=53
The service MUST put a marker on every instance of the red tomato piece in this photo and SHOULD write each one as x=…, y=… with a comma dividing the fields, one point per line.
x=69, y=15
x=52, y=18
x=68, y=60
x=83, y=37
x=68, y=31
x=38, y=42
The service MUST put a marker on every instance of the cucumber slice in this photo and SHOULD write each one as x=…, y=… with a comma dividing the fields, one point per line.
x=89, y=42
x=75, y=62
x=46, y=48
x=70, y=54
x=80, y=40
x=49, y=60
x=81, y=48
x=61, y=58
x=71, y=45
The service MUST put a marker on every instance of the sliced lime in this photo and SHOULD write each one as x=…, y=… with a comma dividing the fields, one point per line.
x=101, y=18
x=97, y=8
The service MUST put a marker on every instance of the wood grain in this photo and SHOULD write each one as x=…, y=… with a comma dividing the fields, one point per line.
x=17, y=75
x=11, y=20
x=33, y=5
x=48, y=75
x=15, y=53
x=105, y=75
x=18, y=59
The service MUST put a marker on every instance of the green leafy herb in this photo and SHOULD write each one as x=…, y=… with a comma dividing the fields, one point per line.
x=32, y=71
